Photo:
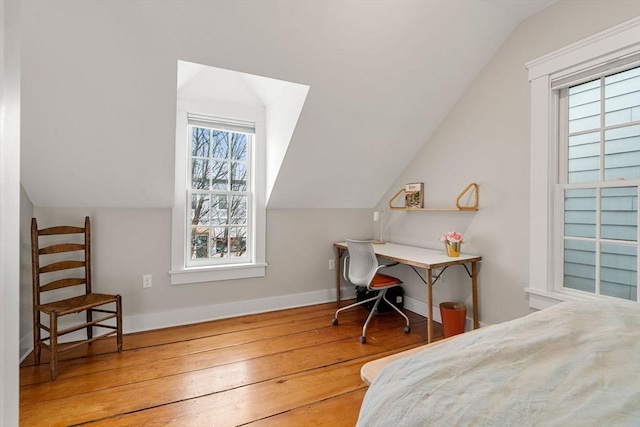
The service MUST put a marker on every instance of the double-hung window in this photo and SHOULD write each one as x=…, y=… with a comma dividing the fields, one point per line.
x=585, y=169
x=219, y=193
x=219, y=213
x=597, y=191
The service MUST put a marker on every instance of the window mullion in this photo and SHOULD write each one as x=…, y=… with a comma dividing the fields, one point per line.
x=602, y=122
x=597, y=240
x=598, y=243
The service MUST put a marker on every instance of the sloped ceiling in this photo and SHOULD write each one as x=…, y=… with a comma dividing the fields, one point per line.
x=99, y=89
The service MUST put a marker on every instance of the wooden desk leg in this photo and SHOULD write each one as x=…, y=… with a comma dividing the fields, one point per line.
x=338, y=273
x=474, y=287
x=429, y=306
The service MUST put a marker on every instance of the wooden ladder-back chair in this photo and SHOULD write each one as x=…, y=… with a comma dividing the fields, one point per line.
x=68, y=264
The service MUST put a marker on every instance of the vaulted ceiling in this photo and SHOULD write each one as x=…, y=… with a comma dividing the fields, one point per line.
x=99, y=88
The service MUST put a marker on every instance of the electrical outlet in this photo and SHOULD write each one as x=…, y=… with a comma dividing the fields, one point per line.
x=332, y=264
x=146, y=281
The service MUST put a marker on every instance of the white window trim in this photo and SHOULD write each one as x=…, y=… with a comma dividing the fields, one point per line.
x=179, y=273
x=595, y=51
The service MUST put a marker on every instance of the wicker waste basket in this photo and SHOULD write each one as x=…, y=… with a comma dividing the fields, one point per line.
x=454, y=316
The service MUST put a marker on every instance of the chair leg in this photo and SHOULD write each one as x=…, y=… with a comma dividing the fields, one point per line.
x=397, y=309
x=363, y=337
x=37, y=347
x=355, y=304
x=119, y=322
x=89, y=327
x=53, y=343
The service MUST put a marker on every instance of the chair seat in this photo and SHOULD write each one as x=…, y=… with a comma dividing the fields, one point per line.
x=381, y=281
x=76, y=304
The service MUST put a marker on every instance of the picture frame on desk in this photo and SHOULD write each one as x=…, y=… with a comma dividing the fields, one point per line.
x=414, y=195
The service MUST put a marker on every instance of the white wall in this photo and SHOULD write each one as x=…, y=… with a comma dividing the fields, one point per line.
x=485, y=138
x=9, y=209
x=100, y=87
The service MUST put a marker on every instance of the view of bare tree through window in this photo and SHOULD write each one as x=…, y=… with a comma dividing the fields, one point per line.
x=219, y=193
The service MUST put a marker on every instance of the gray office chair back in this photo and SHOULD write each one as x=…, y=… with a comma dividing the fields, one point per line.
x=362, y=264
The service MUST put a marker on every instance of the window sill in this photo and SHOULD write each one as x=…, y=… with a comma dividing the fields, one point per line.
x=541, y=299
x=217, y=273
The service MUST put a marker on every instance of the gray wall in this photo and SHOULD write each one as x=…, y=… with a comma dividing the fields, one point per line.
x=127, y=243
x=26, y=293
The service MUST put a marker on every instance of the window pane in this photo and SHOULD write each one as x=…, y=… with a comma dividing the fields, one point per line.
x=580, y=213
x=220, y=175
x=220, y=144
x=238, y=146
x=238, y=176
x=580, y=265
x=238, y=241
x=199, y=241
x=200, y=209
x=622, y=153
x=219, y=215
x=238, y=210
x=219, y=242
x=622, y=97
x=200, y=142
x=619, y=273
x=584, y=106
x=584, y=158
x=619, y=213
x=200, y=173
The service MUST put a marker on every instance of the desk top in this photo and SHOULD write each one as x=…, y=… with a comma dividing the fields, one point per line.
x=418, y=257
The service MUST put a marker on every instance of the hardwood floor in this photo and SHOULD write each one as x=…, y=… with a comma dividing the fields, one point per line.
x=285, y=368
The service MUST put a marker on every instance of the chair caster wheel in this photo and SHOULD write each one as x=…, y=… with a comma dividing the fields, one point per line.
x=334, y=322
x=407, y=329
x=363, y=340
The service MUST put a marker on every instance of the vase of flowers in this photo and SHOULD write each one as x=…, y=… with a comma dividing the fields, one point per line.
x=452, y=242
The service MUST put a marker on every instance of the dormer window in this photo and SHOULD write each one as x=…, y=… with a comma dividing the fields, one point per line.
x=219, y=192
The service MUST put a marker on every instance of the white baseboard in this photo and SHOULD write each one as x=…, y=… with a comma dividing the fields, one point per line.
x=166, y=319
x=145, y=322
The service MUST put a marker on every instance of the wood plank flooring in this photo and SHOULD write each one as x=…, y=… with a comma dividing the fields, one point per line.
x=284, y=368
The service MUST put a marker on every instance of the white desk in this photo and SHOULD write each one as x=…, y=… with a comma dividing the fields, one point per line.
x=421, y=258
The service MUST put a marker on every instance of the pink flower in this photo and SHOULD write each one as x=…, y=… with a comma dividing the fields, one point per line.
x=451, y=237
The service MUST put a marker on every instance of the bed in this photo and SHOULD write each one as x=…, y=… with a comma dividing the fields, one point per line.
x=573, y=364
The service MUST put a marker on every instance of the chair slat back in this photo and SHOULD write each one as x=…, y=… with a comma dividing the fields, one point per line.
x=62, y=283
x=363, y=264
x=60, y=266
x=61, y=247
x=63, y=229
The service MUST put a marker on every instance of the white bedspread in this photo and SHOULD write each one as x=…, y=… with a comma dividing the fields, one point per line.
x=573, y=364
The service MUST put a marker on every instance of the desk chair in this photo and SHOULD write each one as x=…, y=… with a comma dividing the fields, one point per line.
x=361, y=269
x=67, y=264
